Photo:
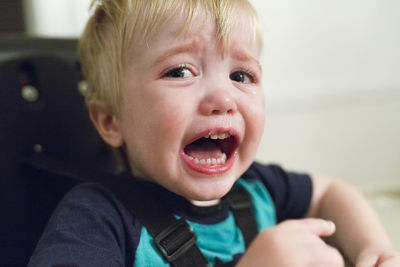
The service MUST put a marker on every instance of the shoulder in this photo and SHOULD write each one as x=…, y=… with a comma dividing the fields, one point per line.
x=290, y=191
x=86, y=202
x=90, y=197
x=90, y=227
x=275, y=176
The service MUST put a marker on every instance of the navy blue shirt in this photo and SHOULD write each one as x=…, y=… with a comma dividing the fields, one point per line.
x=90, y=227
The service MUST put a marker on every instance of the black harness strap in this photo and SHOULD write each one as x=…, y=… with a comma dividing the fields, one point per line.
x=173, y=237
x=242, y=208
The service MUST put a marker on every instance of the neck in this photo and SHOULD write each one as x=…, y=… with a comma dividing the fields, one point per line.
x=205, y=203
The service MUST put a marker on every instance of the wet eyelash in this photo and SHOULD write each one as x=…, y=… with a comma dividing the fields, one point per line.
x=169, y=70
x=250, y=74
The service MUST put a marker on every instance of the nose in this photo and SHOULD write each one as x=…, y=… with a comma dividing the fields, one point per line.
x=217, y=102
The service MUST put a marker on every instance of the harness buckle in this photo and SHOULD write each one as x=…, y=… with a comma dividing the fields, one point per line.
x=175, y=240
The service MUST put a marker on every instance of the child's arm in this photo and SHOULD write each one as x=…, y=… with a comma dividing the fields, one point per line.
x=359, y=234
x=293, y=243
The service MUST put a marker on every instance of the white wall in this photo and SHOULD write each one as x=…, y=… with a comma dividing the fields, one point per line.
x=56, y=18
x=332, y=82
x=331, y=76
x=317, y=48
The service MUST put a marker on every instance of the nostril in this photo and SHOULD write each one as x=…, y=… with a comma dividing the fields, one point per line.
x=219, y=112
x=217, y=104
x=230, y=111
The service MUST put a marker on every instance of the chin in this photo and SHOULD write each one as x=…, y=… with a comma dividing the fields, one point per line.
x=206, y=190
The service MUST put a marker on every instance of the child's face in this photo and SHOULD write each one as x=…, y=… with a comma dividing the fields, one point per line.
x=181, y=91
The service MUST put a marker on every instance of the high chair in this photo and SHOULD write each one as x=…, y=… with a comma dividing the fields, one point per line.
x=42, y=118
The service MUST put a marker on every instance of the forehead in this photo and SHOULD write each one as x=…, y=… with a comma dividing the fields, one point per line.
x=180, y=18
x=183, y=34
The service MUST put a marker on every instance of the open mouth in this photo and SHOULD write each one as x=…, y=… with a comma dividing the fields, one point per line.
x=211, y=151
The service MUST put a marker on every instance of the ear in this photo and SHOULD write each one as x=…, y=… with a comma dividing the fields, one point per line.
x=106, y=124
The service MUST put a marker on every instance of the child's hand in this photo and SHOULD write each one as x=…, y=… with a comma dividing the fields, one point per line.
x=378, y=257
x=293, y=243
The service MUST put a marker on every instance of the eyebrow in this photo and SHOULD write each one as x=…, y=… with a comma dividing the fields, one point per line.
x=194, y=46
x=242, y=55
x=190, y=47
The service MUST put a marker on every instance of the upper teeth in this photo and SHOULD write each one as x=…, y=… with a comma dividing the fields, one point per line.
x=218, y=136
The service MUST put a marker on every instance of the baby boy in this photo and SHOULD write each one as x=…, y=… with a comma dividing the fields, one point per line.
x=175, y=85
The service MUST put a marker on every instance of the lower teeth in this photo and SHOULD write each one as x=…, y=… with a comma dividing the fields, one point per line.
x=220, y=160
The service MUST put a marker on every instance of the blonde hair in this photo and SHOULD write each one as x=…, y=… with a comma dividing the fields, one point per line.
x=115, y=23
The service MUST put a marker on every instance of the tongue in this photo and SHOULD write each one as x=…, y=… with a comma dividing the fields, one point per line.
x=205, y=150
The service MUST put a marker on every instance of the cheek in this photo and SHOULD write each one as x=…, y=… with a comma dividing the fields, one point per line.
x=259, y=113
x=255, y=120
x=260, y=117
x=159, y=120
x=153, y=135
x=256, y=126
x=169, y=119
x=172, y=114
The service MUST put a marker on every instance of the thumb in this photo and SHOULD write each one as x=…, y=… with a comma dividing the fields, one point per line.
x=320, y=227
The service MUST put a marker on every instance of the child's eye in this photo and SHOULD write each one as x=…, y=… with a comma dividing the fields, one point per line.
x=180, y=72
x=241, y=77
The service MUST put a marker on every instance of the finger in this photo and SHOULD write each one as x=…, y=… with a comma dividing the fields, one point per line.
x=320, y=227
x=335, y=257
